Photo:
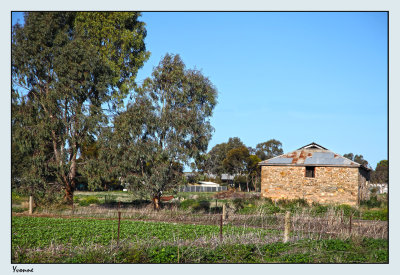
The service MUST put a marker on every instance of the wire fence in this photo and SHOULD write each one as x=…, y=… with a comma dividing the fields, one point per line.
x=195, y=188
x=303, y=224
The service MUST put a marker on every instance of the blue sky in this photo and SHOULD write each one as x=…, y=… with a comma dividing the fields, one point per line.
x=294, y=76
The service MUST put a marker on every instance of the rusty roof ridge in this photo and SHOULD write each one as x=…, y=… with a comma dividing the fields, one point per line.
x=311, y=144
x=352, y=163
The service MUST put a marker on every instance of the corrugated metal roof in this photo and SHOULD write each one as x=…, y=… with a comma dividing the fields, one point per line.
x=312, y=154
x=281, y=160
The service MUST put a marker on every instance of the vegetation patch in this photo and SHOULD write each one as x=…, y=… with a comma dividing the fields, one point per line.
x=303, y=251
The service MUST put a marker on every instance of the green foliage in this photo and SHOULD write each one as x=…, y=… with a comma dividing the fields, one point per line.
x=17, y=197
x=195, y=205
x=201, y=206
x=66, y=66
x=216, y=210
x=44, y=231
x=163, y=255
x=217, y=155
x=88, y=200
x=132, y=255
x=356, y=158
x=238, y=204
x=318, y=209
x=186, y=204
x=381, y=214
x=372, y=202
x=18, y=209
x=248, y=209
x=337, y=245
x=381, y=173
x=110, y=199
x=269, y=149
x=166, y=124
x=347, y=210
x=236, y=160
x=91, y=241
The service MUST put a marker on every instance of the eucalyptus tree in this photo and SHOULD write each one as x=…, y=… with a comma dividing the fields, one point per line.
x=216, y=156
x=269, y=149
x=356, y=158
x=381, y=173
x=166, y=125
x=67, y=68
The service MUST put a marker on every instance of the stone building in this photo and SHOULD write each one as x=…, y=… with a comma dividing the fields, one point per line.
x=315, y=174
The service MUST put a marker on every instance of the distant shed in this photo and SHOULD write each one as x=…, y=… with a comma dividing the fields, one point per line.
x=315, y=174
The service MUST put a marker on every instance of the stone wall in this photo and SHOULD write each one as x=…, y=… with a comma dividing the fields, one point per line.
x=337, y=185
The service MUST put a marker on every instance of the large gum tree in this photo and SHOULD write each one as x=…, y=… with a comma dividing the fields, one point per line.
x=165, y=126
x=68, y=70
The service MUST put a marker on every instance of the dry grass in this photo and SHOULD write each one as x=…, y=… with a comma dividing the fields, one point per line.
x=304, y=224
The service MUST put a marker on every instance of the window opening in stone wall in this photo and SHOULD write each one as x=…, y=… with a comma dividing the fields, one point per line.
x=310, y=171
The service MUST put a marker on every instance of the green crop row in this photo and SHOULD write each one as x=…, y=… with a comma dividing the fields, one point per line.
x=32, y=232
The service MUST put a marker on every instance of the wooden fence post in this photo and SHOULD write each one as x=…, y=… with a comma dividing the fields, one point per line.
x=350, y=224
x=30, y=205
x=224, y=212
x=220, y=229
x=119, y=222
x=287, y=227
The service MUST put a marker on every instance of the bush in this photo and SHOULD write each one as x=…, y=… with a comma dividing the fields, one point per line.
x=319, y=209
x=248, y=209
x=17, y=198
x=268, y=201
x=300, y=203
x=88, y=200
x=186, y=204
x=18, y=209
x=201, y=206
x=372, y=202
x=381, y=215
x=238, y=204
x=347, y=210
x=292, y=204
x=269, y=209
x=109, y=199
x=216, y=210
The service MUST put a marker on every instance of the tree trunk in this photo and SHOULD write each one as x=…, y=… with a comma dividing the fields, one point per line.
x=70, y=181
x=69, y=193
x=156, y=202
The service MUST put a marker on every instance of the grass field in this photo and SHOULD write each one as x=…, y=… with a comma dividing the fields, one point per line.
x=187, y=230
x=65, y=240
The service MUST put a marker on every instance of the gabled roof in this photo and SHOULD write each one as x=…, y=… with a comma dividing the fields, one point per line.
x=312, y=154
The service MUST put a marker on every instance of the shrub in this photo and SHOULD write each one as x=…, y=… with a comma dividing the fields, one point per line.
x=372, y=202
x=319, y=209
x=269, y=209
x=381, y=215
x=88, y=200
x=201, y=206
x=268, y=201
x=166, y=254
x=16, y=198
x=140, y=203
x=186, y=204
x=18, y=209
x=238, y=204
x=109, y=199
x=347, y=210
x=216, y=210
x=248, y=209
x=282, y=202
x=301, y=202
